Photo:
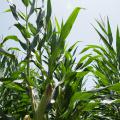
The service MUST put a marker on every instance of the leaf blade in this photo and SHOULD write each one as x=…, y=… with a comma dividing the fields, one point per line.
x=69, y=23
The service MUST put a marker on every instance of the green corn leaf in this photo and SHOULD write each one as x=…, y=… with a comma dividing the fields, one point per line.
x=84, y=58
x=34, y=43
x=22, y=15
x=23, y=45
x=7, y=10
x=80, y=63
x=41, y=43
x=57, y=25
x=73, y=46
x=39, y=20
x=102, y=49
x=98, y=52
x=96, y=46
x=92, y=47
x=85, y=49
x=62, y=24
x=68, y=25
x=38, y=57
x=23, y=30
x=14, y=48
x=109, y=47
x=103, y=39
x=111, y=65
x=89, y=61
x=90, y=106
x=32, y=8
x=14, y=11
x=10, y=37
x=49, y=30
x=80, y=75
x=78, y=66
x=102, y=77
x=26, y=2
x=118, y=44
x=110, y=37
x=3, y=52
x=80, y=96
x=53, y=42
x=102, y=27
x=32, y=28
x=74, y=51
x=49, y=10
x=13, y=86
x=115, y=87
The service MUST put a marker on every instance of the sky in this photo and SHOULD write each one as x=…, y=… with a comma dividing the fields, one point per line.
x=82, y=29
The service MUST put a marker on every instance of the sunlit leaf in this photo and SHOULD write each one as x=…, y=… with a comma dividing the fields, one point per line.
x=10, y=37
x=26, y=2
x=14, y=48
x=22, y=15
x=68, y=25
x=7, y=10
x=80, y=96
x=115, y=87
x=57, y=25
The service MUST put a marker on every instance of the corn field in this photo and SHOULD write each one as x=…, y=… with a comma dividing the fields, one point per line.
x=48, y=81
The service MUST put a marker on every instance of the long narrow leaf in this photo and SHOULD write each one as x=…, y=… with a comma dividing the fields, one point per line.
x=68, y=25
x=110, y=37
x=118, y=45
x=49, y=10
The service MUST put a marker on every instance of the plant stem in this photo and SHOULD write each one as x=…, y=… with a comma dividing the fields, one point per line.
x=28, y=67
x=46, y=97
x=28, y=59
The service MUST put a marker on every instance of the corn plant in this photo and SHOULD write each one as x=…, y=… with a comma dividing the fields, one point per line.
x=46, y=83
x=106, y=68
